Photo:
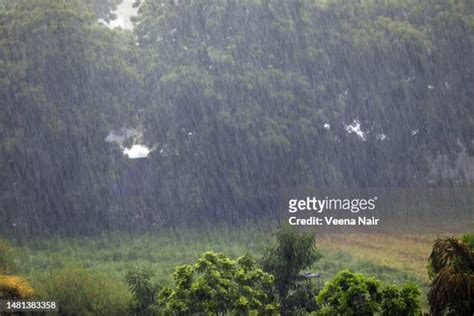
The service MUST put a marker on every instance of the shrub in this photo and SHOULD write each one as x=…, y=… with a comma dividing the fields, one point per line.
x=144, y=291
x=404, y=301
x=300, y=300
x=79, y=292
x=468, y=240
x=352, y=293
x=14, y=288
x=216, y=285
x=7, y=257
x=349, y=294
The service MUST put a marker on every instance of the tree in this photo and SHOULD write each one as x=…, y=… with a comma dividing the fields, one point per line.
x=238, y=99
x=287, y=259
x=404, y=301
x=65, y=83
x=216, y=285
x=451, y=266
x=246, y=97
x=350, y=293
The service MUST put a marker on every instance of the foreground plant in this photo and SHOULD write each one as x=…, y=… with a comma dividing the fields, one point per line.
x=452, y=272
x=286, y=260
x=218, y=285
x=14, y=288
x=352, y=293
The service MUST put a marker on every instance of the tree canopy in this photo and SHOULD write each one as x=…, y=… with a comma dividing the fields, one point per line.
x=236, y=100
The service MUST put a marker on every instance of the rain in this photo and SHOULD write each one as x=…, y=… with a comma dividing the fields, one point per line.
x=236, y=157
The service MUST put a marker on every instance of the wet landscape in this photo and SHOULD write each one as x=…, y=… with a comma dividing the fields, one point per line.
x=240, y=157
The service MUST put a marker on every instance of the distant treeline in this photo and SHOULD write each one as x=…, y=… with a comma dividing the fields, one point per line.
x=238, y=99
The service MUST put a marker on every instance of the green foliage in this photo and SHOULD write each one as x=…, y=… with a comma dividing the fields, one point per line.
x=452, y=271
x=468, y=240
x=216, y=284
x=7, y=257
x=79, y=292
x=244, y=96
x=404, y=301
x=143, y=289
x=287, y=259
x=349, y=293
x=112, y=255
x=238, y=94
x=65, y=83
x=300, y=300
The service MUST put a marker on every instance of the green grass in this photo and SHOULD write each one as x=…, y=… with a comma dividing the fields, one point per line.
x=113, y=255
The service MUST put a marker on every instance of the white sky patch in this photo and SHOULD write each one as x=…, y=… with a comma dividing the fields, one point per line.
x=354, y=128
x=133, y=136
x=137, y=151
x=124, y=12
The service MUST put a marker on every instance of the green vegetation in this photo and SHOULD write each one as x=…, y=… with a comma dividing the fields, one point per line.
x=353, y=294
x=143, y=289
x=84, y=293
x=145, y=264
x=65, y=83
x=217, y=285
x=404, y=301
x=91, y=275
x=452, y=269
x=8, y=257
x=239, y=100
x=291, y=255
x=468, y=240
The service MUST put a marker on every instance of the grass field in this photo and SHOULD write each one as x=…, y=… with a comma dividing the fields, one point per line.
x=406, y=252
x=391, y=258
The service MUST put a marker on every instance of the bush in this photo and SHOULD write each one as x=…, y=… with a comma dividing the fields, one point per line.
x=7, y=257
x=349, y=294
x=14, y=288
x=144, y=291
x=353, y=294
x=300, y=300
x=216, y=285
x=468, y=240
x=79, y=292
x=404, y=301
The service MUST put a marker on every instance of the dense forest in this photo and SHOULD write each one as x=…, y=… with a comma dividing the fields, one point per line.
x=232, y=102
x=146, y=147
